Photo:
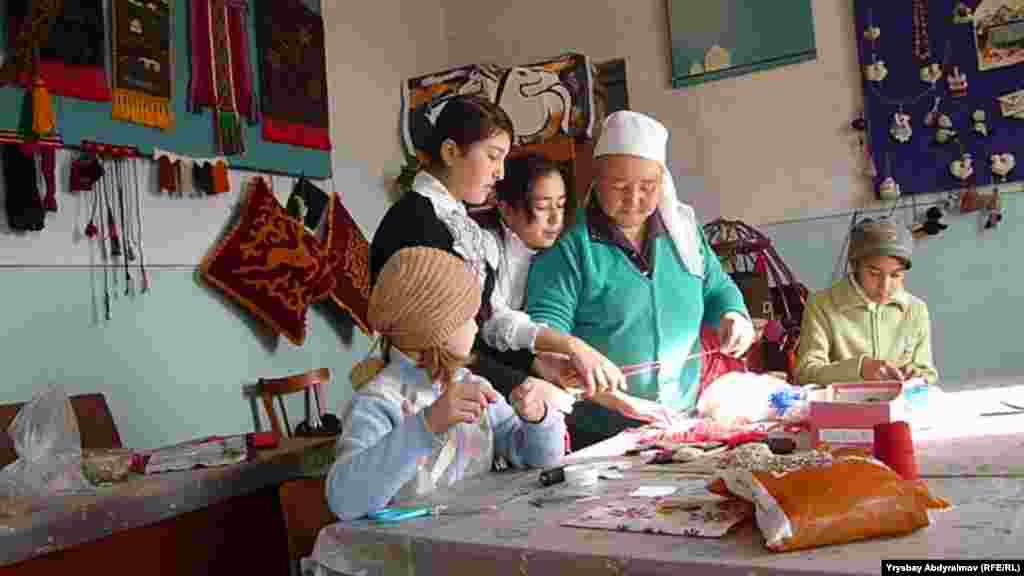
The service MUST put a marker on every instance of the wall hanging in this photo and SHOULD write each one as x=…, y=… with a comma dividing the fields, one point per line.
x=943, y=89
x=714, y=40
x=546, y=100
x=176, y=85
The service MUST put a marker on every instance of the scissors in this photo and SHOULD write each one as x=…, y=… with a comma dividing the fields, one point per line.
x=393, y=514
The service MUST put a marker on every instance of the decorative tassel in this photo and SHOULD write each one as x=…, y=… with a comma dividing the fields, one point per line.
x=43, y=122
x=229, y=127
x=219, y=177
x=115, y=242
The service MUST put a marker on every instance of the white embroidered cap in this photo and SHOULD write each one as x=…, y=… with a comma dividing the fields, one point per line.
x=635, y=134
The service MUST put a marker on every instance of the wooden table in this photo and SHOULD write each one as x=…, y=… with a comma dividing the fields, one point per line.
x=987, y=522
x=217, y=520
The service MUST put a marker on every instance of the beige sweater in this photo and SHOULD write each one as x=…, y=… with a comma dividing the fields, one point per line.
x=841, y=327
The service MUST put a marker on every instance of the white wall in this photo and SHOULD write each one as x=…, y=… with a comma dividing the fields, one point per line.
x=371, y=50
x=763, y=147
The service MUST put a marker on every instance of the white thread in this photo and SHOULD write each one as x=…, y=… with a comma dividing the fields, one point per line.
x=580, y=476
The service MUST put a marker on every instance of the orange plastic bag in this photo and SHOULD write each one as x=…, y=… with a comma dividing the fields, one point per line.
x=853, y=498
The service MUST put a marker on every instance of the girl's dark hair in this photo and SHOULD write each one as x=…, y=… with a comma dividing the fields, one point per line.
x=467, y=120
x=521, y=174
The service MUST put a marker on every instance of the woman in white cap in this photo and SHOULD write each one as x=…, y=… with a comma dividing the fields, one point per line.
x=635, y=278
x=866, y=326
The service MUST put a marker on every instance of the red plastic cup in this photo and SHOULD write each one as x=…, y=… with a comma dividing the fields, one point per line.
x=895, y=448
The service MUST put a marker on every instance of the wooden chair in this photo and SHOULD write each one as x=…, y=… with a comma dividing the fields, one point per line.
x=269, y=388
x=304, y=506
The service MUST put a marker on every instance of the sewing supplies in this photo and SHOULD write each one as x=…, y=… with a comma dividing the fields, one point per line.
x=645, y=367
x=894, y=446
x=552, y=476
x=580, y=476
x=394, y=514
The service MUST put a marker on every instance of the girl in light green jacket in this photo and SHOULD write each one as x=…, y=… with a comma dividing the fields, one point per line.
x=867, y=326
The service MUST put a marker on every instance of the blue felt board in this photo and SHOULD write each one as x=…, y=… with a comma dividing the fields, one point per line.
x=921, y=165
x=192, y=134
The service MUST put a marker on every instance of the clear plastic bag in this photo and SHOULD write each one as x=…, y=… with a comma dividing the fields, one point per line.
x=46, y=439
x=739, y=398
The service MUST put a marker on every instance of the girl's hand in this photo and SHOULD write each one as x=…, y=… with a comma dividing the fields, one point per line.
x=462, y=401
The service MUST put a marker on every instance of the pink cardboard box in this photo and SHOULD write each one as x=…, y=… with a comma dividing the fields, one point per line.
x=844, y=415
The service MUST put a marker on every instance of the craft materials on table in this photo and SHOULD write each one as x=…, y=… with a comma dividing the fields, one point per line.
x=713, y=518
x=204, y=452
x=393, y=514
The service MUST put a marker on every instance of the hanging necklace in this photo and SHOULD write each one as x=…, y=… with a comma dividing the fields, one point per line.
x=922, y=45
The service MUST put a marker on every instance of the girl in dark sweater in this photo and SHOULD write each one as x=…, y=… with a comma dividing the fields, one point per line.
x=470, y=140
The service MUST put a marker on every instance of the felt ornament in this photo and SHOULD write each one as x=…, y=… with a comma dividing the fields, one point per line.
x=24, y=207
x=219, y=177
x=969, y=201
x=980, y=127
x=963, y=167
x=945, y=132
x=957, y=83
x=889, y=189
x=1012, y=105
x=933, y=115
x=1002, y=165
x=900, y=129
x=314, y=200
x=995, y=214
x=932, y=225
x=963, y=14
x=203, y=177
x=876, y=71
x=175, y=173
x=931, y=73
x=168, y=174
x=872, y=33
x=86, y=170
x=271, y=266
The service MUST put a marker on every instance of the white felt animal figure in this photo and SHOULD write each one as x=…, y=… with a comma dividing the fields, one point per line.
x=1003, y=164
x=533, y=97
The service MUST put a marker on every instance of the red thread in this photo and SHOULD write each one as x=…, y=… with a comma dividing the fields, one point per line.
x=894, y=446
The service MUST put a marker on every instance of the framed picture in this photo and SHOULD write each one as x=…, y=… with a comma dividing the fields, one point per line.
x=714, y=40
x=999, y=33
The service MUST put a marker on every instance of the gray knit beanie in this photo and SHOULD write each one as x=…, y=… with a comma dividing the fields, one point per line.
x=881, y=238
